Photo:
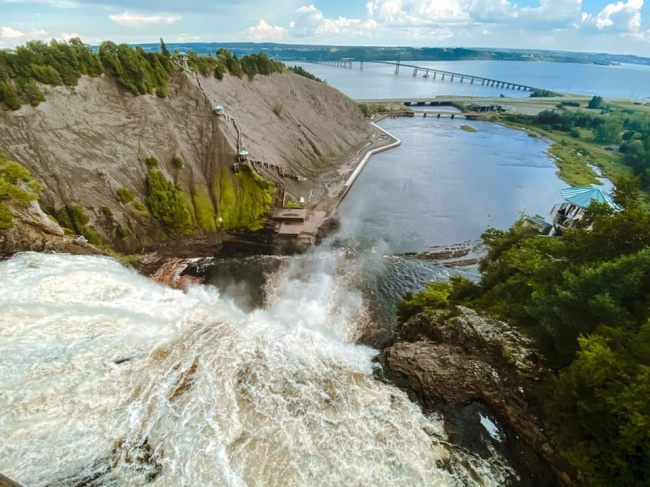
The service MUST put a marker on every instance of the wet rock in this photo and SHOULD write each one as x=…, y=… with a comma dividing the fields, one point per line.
x=32, y=230
x=461, y=358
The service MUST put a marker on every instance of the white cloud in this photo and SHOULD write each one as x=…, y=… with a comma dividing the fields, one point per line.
x=66, y=37
x=310, y=22
x=7, y=33
x=264, y=32
x=10, y=37
x=185, y=37
x=137, y=20
x=418, y=12
x=619, y=17
x=468, y=13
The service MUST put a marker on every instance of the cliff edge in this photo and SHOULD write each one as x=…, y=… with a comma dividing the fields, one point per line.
x=95, y=147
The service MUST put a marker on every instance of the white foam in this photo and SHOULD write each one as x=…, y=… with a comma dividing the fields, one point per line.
x=203, y=393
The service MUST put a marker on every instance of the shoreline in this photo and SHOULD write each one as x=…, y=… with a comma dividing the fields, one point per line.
x=371, y=152
x=300, y=228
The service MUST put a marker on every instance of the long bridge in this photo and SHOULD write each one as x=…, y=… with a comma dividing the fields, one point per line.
x=433, y=73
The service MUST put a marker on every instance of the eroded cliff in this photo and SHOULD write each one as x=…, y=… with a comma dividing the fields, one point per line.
x=95, y=146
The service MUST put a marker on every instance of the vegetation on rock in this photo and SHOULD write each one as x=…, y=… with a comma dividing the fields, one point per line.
x=585, y=299
x=125, y=195
x=164, y=201
x=16, y=185
x=74, y=219
x=303, y=72
x=141, y=72
x=243, y=200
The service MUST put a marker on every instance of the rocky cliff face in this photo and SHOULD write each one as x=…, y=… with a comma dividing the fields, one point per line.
x=86, y=143
x=34, y=231
x=464, y=359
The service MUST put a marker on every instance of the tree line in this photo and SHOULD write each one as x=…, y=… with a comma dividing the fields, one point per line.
x=628, y=129
x=60, y=63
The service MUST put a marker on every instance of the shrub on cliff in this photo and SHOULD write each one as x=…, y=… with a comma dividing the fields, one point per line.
x=435, y=296
x=74, y=219
x=304, y=73
x=16, y=185
x=164, y=201
x=125, y=195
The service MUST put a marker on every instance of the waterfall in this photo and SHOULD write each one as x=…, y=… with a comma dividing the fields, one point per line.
x=108, y=378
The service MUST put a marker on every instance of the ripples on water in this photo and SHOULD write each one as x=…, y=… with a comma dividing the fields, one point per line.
x=110, y=379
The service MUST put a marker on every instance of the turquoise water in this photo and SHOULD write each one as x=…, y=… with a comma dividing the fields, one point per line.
x=379, y=80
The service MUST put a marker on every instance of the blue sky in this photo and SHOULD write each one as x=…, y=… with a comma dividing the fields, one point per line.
x=574, y=25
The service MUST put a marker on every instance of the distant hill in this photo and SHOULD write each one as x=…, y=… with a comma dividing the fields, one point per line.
x=305, y=52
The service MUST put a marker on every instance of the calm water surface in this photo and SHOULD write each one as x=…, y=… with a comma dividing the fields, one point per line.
x=444, y=185
x=379, y=81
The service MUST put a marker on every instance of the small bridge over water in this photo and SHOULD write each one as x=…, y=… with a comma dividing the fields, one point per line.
x=432, y=73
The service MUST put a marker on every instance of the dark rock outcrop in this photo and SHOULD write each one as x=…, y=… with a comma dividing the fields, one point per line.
x=465, y=358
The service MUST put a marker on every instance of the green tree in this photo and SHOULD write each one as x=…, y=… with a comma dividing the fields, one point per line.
x=610, y=132
x=163, y=49
x=596, y=102
x=627, y=191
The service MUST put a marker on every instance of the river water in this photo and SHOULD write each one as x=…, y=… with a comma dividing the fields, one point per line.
x=107, y=378
x=378, y=81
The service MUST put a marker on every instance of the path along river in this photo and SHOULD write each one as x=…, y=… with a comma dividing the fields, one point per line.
x=107, y=378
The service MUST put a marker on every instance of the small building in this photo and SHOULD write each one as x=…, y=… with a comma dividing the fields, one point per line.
x=576, y=200
x=218, y=110
x=183, y=58
x=242, y=156
x=290, y=215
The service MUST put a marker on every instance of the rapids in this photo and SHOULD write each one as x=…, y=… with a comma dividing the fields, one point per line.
x=107, y=378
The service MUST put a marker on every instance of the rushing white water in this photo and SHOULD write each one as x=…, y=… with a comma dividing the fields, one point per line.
x=110, y=379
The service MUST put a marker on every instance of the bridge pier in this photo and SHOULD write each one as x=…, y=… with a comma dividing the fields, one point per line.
x=462, y=78
x=443, y=77
x=471, y=82
x=483, y=83
x=435, y=73
x=397, y=69
x=426, y=75
x=415, y=72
